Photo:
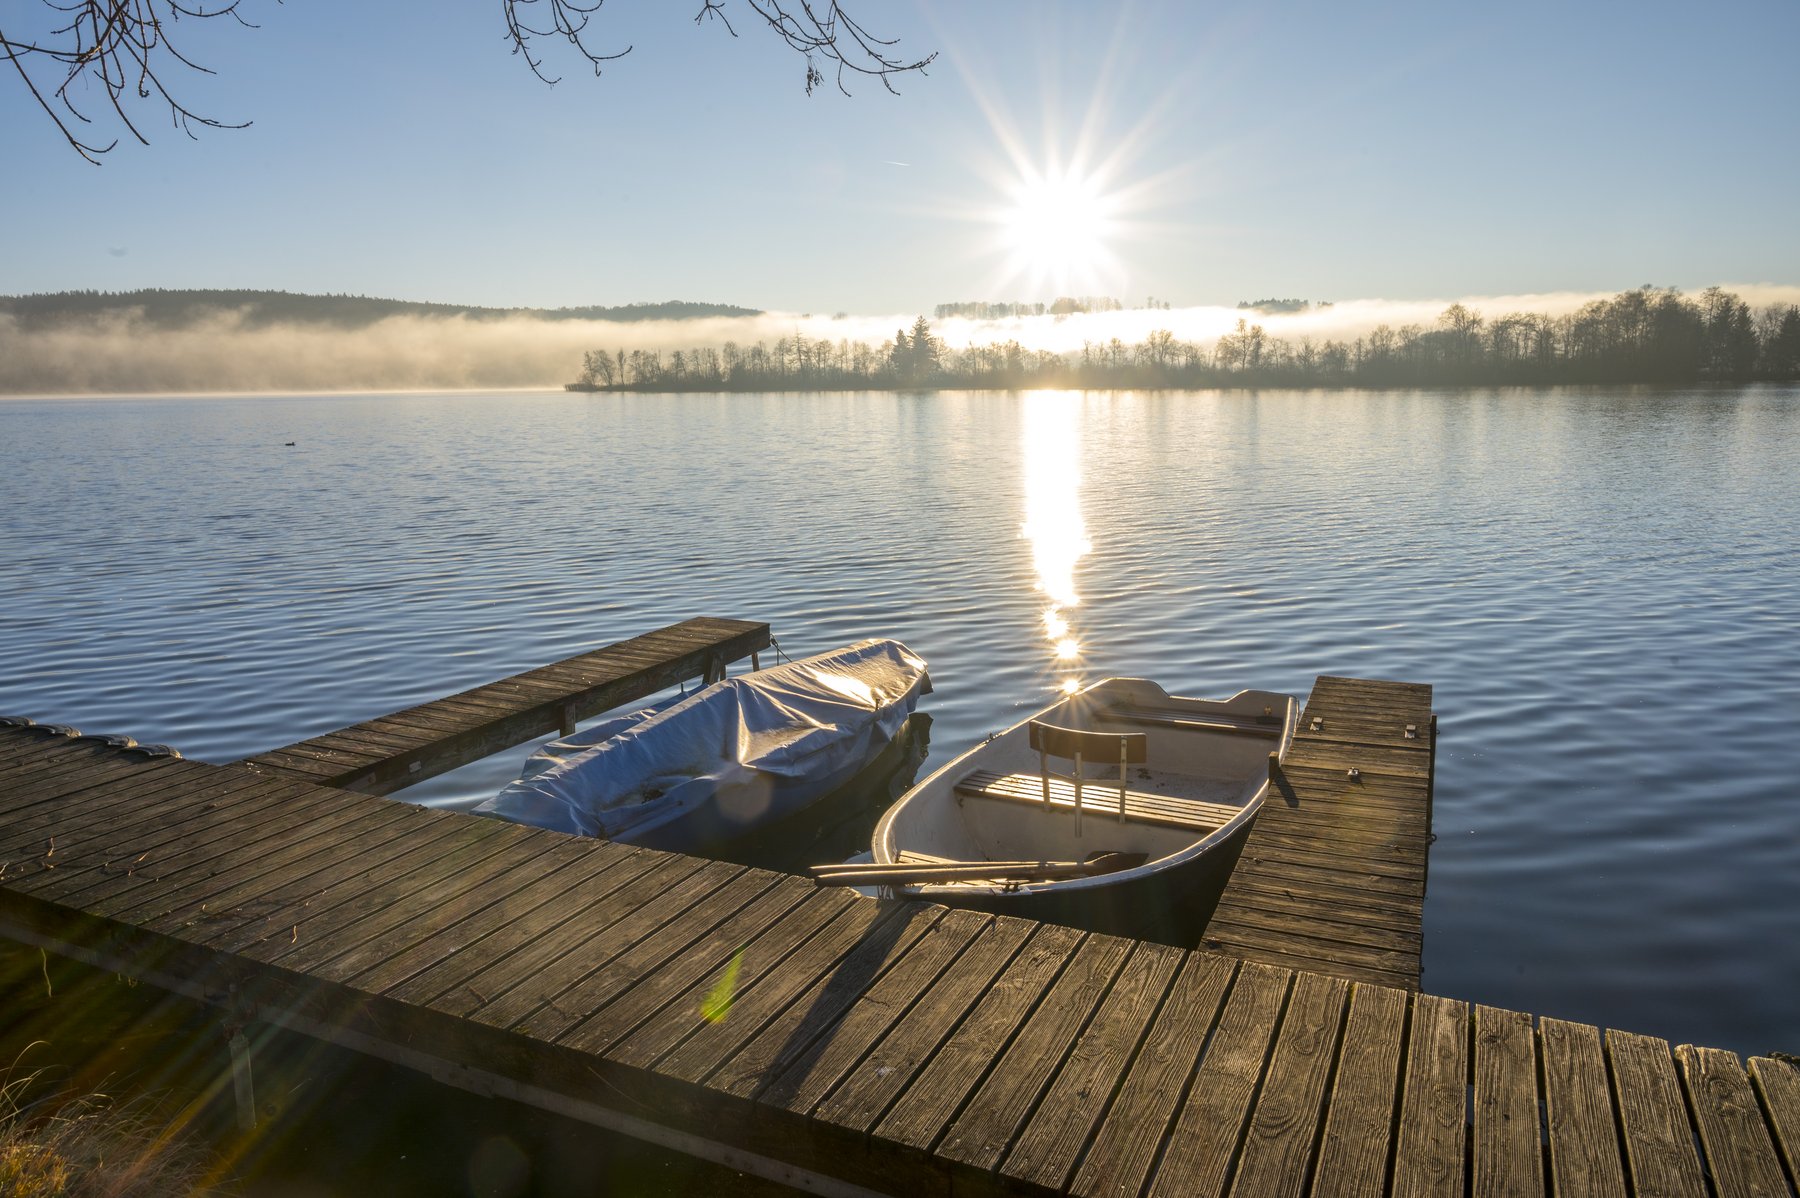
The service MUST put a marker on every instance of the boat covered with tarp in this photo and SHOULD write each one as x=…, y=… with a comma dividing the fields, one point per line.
x=719, y=763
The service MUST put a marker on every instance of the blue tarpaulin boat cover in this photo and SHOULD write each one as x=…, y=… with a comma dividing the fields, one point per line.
x=727, y=757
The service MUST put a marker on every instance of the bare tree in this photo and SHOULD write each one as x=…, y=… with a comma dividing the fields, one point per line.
x=821, y=34
x=124, y=47
x=123, y=50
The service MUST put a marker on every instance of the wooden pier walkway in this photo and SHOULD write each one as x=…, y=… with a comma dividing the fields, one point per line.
x=841, y=1044
x=382, y=755
x=1332, y=875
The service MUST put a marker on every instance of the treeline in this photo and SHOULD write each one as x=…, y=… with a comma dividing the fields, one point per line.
x=171, y=309
x=1272, y=306
x=1642, y=336
x=1062, y=305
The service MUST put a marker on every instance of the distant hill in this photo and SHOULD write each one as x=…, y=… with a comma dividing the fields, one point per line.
x=177, y=309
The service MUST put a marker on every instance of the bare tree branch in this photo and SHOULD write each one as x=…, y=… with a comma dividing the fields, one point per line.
x=835, y=37
x=568, y=20
x=122, y=45
x=124, y=49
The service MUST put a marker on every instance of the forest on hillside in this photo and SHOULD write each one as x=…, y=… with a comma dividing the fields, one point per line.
x=166, y=309
x=1648, y=335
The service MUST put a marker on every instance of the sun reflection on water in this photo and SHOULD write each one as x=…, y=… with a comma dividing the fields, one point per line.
x=1053, y=522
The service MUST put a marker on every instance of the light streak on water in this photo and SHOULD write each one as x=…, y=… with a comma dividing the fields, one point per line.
x=1053, y=522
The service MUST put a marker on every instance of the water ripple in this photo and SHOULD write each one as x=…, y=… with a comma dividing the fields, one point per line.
x=1600, y=585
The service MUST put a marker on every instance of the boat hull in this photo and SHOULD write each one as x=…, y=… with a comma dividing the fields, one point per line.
x=1168, y=906
x=1182, y=810
x=735, y=756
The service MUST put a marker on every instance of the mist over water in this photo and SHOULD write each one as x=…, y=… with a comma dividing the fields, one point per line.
x=123, y=354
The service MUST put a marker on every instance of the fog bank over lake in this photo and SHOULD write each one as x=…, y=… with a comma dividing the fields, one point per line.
x=225, y=351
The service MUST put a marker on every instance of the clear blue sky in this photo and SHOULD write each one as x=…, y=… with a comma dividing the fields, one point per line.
x=1318, y=150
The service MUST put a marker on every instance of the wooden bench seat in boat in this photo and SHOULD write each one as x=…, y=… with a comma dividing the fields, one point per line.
x=1170, y=718
x=1099, y=798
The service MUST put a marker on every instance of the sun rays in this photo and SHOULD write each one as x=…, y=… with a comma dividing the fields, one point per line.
x=1074, y=184
x=1057, y=231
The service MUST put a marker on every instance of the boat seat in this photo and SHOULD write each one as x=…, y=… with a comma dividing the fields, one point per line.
x=1099, y=799
x=1127, y=713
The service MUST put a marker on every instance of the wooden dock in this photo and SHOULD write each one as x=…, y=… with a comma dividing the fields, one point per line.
x=840, y=1044
x=382, y=755
x=1332, y=875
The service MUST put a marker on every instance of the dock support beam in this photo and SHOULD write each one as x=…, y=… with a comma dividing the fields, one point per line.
x=242, y=1087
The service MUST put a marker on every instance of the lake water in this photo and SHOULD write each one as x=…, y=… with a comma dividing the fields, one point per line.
x=1601, y=585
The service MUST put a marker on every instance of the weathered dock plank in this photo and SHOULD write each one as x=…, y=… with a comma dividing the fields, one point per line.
x=481, y=968
x=1129, y=1140
x=812, y=1073
x=1048, y=1148
x=802, y=1027
x=612, y=1016
x=382, y=755
x=823, y=918
x=1353, y=1155
x=1201, y=1150
x=857, y=1046
x=562, y=954
x=1277, y=1154
x=1578, y=1115
x=1659, y=1141
x=850, y=953
x=437, y=889
x=1508, y=1158
x=865, y=1094
x=1332, y=873
x=980, y=1135
x=1734, y=1136
x=470, y=930
x=961, y=1063
x=84, y=815
x=1429, y=1157
x=1778, y=1085
x=609, y=977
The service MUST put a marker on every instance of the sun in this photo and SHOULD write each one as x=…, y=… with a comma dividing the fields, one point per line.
x=1056, y=228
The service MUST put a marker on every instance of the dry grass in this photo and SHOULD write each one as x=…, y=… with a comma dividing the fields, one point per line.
x=57, y=1145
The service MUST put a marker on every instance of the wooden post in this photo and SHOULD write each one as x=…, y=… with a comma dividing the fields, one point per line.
x=1078, y=795
x=241, y=1085
x=1274, y=769
x=1124, y=779
x=1431, y=772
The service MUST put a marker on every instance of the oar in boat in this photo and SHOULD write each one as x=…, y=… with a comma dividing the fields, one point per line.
x=914, y=873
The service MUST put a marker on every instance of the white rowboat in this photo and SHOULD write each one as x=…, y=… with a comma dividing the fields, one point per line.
x=1103, y=807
